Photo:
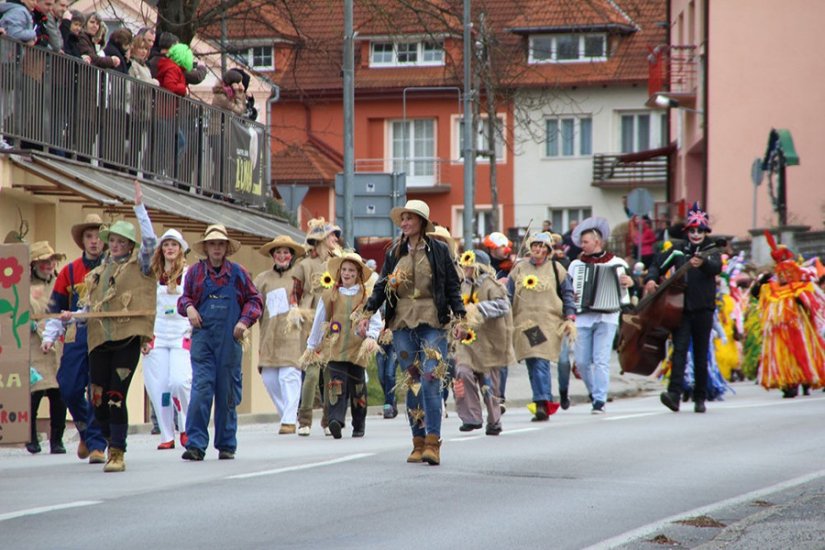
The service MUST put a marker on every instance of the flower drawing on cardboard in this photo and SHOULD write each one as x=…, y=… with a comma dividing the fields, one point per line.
x=10, y=274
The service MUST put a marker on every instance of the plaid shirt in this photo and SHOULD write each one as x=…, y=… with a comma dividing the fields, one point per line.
x=249, y=299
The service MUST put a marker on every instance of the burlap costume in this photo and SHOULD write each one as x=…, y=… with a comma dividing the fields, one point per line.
x=537, y=310
x=493, y=347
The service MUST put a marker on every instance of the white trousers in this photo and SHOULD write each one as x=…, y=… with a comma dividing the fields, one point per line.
x=284, y=387
x=167, y=373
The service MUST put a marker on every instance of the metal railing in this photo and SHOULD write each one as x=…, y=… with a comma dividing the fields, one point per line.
x=420, y=171
x=673, y=69
x=608, y=171
x=69, y=108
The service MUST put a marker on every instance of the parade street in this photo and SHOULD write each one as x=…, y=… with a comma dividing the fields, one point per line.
x=622, y=479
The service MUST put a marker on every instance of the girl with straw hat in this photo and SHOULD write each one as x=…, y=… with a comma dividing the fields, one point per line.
x=315, y=278
x=166, y=367
x=221, y=303
x=43, y=260
x=123, y=283
x=421, y=288
x=281, y=341
x=334, y=339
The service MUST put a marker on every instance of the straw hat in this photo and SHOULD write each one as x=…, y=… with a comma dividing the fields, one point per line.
x=334, y=266
x=92, y=221
x=41, y=250
x=122, y=228
x=174, y=235
x=417, y=207
x=216, y=232
x=318, y=229
x=281, y=241
x=442, y=234
x=541, y=237
x=594, y=222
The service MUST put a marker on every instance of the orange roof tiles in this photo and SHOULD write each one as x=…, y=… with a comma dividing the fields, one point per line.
x=305, y=164
x=542, y=14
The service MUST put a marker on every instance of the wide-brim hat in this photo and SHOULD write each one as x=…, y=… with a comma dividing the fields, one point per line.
x=319, y=229
x=417, y=207
x=334, y=265
x=283, y=241
x=92, y=221
x=121, y=228
x=174, y=235
x=541, y=237
x=594, y=222
x=442, y=234
x=41, y=250
x=216, y=232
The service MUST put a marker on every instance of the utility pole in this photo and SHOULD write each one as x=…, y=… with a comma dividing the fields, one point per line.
x=349, y=126
x=469, y=131
x=223, y=42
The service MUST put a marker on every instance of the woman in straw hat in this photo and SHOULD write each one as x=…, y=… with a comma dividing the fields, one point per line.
x=221, y=303
x=73, y=374
x=43, y=262
x=281, y=341
x=166, y=366
x=487, y=346
x=421, y=288
x=315, y=278
x=335, y=340
x=123, y=283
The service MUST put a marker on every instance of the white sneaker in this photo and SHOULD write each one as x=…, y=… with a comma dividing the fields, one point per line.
x=327, y=432
x=4, y=145
x=303, y=430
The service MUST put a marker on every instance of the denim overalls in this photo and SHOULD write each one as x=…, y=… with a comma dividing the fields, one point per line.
x=216, y=366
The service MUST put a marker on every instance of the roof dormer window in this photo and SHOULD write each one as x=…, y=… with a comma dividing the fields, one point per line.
x=567, y=48
x=406, y=54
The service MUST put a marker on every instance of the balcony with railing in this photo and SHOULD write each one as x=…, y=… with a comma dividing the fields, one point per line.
x=621, y=171
x=65, y=107
x=674, y=73
x=423, y=174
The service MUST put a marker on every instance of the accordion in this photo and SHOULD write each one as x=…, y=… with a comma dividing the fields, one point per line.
x=598, y=290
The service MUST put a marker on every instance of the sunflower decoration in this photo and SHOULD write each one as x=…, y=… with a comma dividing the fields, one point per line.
x=530, y=282
x=470, y=298
x=326, y=280
x=468, y=259
x=470, y=337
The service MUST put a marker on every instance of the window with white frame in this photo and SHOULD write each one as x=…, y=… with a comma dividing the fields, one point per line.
x=568, y=137
x=482, y=134
x=261, y=58
x=641, y=131
x=482, y=221
x=405, y=54
x=567, y=48
x=561, y=217
x=412, y=145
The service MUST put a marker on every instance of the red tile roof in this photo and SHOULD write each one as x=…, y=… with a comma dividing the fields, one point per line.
x=543, y=14
x=304, y=164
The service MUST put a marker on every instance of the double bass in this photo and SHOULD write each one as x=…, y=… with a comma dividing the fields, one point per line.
x=646, y=328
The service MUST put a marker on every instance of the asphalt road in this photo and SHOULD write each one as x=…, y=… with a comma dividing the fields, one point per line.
x=577, y=481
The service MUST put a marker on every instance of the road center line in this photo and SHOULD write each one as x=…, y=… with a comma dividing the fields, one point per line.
x=47, y=509
x=637, y=415
x=301, y=467
x=519, y=431
x=650, y=528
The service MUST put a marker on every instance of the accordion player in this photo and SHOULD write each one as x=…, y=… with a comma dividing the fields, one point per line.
x=598, y=289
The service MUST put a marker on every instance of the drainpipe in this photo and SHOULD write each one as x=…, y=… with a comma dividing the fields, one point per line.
x=273, y=98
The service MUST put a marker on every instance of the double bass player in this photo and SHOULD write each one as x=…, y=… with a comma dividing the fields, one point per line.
x=699, y=305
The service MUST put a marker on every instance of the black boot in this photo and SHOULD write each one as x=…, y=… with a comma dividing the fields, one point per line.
x=33, y=447
x=670, y=400
x=564, y=400
x=56, y=441
x=541, y=412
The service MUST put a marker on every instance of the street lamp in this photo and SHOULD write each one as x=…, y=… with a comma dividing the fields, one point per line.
x=670, y=103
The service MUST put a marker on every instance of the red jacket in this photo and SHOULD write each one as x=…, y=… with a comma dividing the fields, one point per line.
x=171, y=77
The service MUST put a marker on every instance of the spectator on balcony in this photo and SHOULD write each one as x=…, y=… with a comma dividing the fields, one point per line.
x=250, y=111
x=147, y=33
x=46, y=26
x=229, y=94
x=16, y=21
x=118, y=46
x=86, y=45
x=194, y=75
x=100, y=37
x=139, y=54
x=171, y=69
x=71, y=29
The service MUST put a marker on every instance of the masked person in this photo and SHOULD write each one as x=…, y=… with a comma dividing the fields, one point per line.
x=221, y=303
x=281, y=340
x=700, y=304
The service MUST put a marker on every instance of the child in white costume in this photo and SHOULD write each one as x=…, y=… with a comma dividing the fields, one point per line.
x=281, y=336
x=167, y=368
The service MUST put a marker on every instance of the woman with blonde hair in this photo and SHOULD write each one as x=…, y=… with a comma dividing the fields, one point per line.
x=166, y=366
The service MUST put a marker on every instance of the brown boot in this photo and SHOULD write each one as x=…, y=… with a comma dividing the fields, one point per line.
x=115, y=462
x=432, y=450
x=418, y=448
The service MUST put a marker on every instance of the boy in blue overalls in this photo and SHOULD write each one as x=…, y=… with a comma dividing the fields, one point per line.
x=221, y=303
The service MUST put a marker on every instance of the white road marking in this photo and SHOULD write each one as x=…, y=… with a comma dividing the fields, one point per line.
x=519, y=431
x=301, y=467
x=637, y=415
x=47, y=509
x=650, y=528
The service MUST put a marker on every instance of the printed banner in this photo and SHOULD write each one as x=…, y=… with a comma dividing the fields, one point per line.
x=247, y=162
x=15, y=328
